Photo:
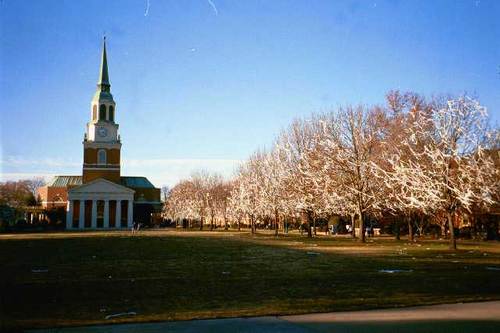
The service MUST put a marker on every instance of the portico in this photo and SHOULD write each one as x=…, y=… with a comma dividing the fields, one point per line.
x=100, y=204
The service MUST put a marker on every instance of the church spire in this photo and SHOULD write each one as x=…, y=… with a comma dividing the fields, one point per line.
x=103, y=83
x=103, y=105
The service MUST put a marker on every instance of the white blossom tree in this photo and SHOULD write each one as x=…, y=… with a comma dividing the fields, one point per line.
x=451, y=172
x=295, y=146
x=403, y=109
x=410, y=159
x=271, y=187
x=244, y=194
x=349, y=144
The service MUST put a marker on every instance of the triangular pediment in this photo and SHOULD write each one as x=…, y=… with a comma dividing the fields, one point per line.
x=101, y=186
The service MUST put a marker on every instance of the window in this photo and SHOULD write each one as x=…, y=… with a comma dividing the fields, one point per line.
x=102, y=112
x=101, y=156
x=111, y=113
x=94, y=112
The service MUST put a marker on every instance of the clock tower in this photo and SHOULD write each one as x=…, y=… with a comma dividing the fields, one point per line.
x=101, y=143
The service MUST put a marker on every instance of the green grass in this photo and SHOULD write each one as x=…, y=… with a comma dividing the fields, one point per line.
x=187, y=275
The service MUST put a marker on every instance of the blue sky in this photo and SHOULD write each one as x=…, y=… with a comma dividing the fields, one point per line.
x=202, y=84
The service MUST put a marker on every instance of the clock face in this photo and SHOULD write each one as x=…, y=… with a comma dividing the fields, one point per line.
x=102, y=131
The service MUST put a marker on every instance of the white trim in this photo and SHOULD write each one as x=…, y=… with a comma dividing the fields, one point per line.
x=118, y=214
x=102, y=196
x=69, y=215
x=130, y=214
x=116, y=186
x=114, y=164
x=106, y=214
x=102, y=144
x=93, y=224
x=113, y=169
x=135, y=202
x=101, y=189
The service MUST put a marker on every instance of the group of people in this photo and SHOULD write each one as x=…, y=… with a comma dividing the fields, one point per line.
x=369, y=230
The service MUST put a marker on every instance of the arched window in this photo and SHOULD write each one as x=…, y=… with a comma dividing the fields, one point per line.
x=111, y=113
x=94, y=112
x=101, y=156
x=102, y=112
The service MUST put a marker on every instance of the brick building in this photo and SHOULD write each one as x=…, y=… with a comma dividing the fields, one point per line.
x=101, y=198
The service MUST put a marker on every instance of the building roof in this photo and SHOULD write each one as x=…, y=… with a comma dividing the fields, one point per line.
x=132, y=182
x=136, y=182
x=65, y=181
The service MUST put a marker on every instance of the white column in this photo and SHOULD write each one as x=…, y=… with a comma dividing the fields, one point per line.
x=81, y=219
x=130, y=214
x=106, y=214
x=118, y=214
x=94, y=214
x=69, y=214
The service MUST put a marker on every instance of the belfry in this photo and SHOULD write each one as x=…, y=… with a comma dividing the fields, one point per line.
x=101, y=144
x=102, y=198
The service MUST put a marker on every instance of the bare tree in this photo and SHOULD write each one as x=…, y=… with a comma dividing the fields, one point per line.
x=411, y=159
x=452, y=171
x=34, y=185
x=223, y=193
x=357, y=146
x=245, y=192
x=295, y=144
x=165, y=190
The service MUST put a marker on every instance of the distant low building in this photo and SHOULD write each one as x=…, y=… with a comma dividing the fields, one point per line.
x=101, y=198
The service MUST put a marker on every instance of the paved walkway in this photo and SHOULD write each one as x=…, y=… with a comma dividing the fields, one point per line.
x=468, y=317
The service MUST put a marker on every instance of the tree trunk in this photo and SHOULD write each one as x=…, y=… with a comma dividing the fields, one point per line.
x=362, y=238
x=410, y=229
x=353, y=229
x=239, y=224
x=443, y=230
x=421, y=230
x=314, y=225
x=211, y=222
x=201, y=224
x=252, y=224
x=309, y=231
x=276, y=221
x=453, y=242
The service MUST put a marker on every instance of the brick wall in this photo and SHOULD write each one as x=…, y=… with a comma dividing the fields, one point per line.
x=53, y=197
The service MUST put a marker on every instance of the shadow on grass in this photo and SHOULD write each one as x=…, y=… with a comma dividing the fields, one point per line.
x=273, y=324
x=81, y=280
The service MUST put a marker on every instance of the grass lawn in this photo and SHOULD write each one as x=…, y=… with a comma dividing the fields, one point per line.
x=59, y=279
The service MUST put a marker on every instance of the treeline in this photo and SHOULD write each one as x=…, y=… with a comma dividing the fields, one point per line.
x=15, y=196
x=414, y=158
